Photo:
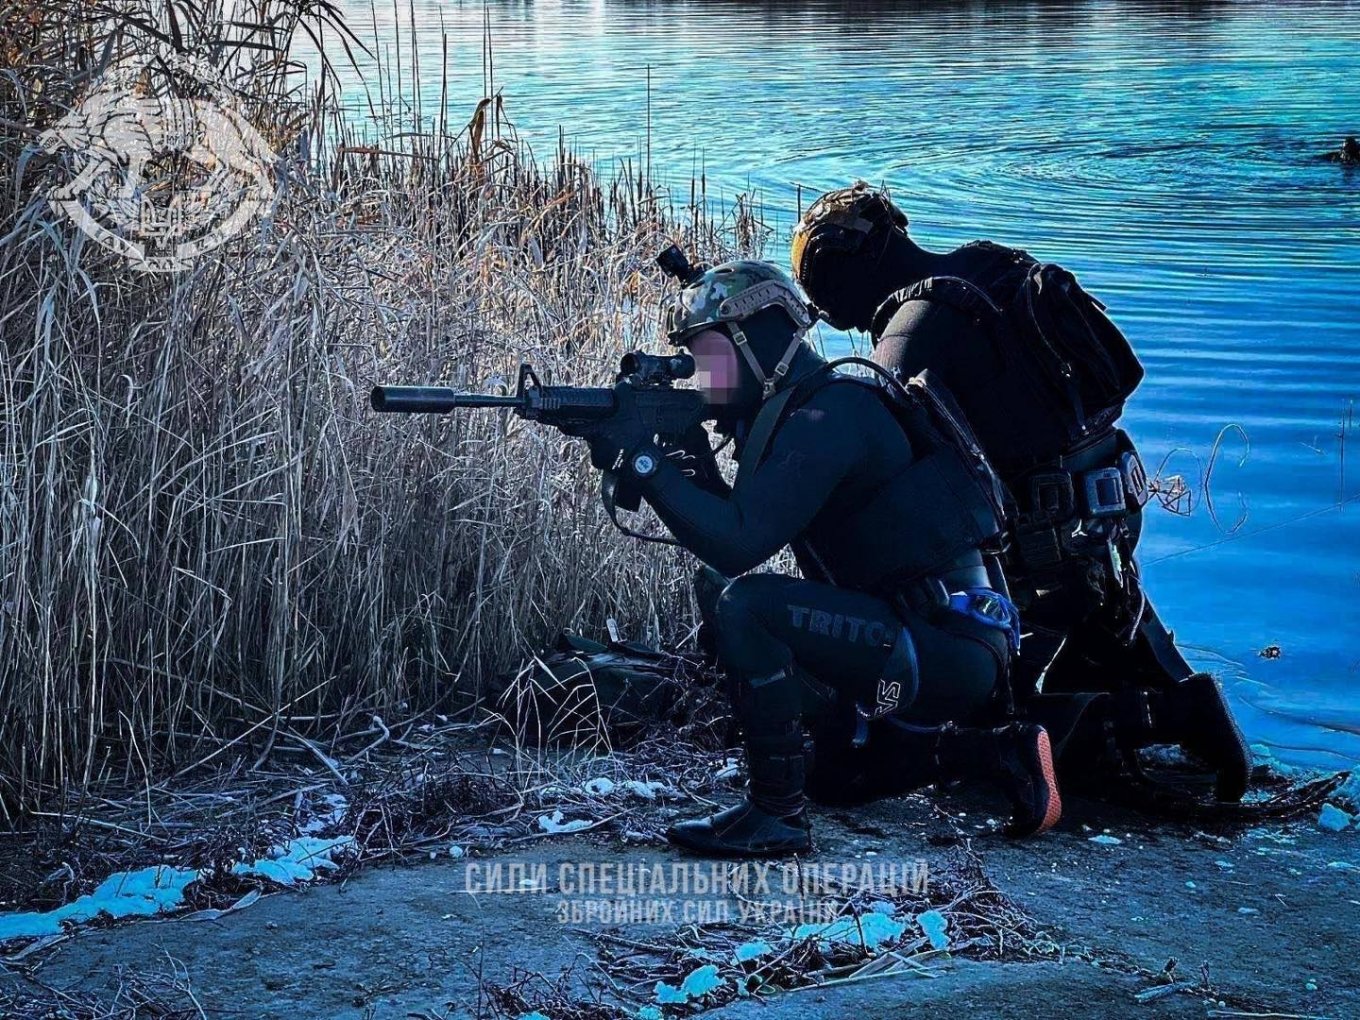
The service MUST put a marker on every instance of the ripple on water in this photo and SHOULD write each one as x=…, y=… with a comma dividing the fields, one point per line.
x=1167, y=152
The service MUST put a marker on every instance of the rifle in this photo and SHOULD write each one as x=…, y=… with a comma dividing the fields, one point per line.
x=644, y=381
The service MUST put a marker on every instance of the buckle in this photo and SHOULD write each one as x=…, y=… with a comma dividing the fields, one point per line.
x=1135, y=477
x=1038, y=550
x=1051, y=498
x=1104, y=490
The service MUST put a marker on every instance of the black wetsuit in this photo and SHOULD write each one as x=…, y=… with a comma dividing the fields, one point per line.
x=1089, y=626
x=841, y=626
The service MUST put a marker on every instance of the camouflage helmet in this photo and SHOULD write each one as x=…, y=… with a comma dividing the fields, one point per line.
x=730, y=292
x=843, y=220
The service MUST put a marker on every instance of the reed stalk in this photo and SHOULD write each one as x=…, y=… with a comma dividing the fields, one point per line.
x=205, y=533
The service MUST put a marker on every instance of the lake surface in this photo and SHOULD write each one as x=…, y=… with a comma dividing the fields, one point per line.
x=1167, y=153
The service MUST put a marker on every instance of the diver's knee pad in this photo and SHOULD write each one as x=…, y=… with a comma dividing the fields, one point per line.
x=741, y=616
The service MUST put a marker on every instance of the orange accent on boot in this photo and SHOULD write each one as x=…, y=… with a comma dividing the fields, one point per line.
x=1054, y=811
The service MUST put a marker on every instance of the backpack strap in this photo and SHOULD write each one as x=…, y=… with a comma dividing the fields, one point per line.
x=762, y=429
x=774, y=410
x=1040, y=276
x=954, y=291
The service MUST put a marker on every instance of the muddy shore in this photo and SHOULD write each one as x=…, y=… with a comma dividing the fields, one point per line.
x=1269, y=914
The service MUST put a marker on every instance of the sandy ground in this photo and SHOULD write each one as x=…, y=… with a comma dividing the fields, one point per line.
x=1261, y=909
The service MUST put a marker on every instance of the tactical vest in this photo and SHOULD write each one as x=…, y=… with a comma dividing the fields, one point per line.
x=945, y=503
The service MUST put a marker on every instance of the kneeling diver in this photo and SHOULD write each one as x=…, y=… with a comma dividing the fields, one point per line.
x=1041, y=375
x=902, y=627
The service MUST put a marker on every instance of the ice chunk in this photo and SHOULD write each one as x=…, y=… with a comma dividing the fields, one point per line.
x=752, y=950
x=600, y=786
x=297, y=861
x=868, y=930
x=554, y=823
x=1333, y=819
x=1105, y=840
x=696, y=985
x=936, y=928
x=1349, y=793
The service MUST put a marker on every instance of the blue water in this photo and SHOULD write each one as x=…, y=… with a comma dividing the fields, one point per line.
x=1167, y=153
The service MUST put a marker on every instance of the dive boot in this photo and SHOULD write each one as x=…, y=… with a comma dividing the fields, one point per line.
x=1026, y=775
x=1205, y=727
x=1018, y=758
x=771, y=820
x=744, y=830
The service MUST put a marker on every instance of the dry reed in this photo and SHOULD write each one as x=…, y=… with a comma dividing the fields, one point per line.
x=210, y=545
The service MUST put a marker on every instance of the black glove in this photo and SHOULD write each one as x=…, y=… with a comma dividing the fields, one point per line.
x=693, y=454
x=615, y=451
x=614, y=442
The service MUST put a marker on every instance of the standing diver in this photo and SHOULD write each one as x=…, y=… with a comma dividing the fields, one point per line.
x=1042, y=375
x=900, y=626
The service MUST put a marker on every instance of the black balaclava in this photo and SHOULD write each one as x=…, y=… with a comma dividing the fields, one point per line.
x=849, y=286
x=769, y=332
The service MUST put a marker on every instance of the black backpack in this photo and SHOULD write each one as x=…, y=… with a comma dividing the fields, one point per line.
x=1066, y=368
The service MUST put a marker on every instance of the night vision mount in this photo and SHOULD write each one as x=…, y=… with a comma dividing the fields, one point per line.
x=674, y=264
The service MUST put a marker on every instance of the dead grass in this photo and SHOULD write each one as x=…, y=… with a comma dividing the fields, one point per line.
x=212, y=547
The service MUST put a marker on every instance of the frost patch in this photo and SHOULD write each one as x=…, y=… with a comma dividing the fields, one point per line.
x=326, y=817
x=867, y=930
x=696, y=985
x=144, y=893
x=553, y=823
x=752, y=950
x=159, y=888
x=602, y=786
x=649, y=790
x=297, y=861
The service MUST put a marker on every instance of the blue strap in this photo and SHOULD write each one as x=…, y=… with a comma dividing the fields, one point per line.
x=990, y=608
